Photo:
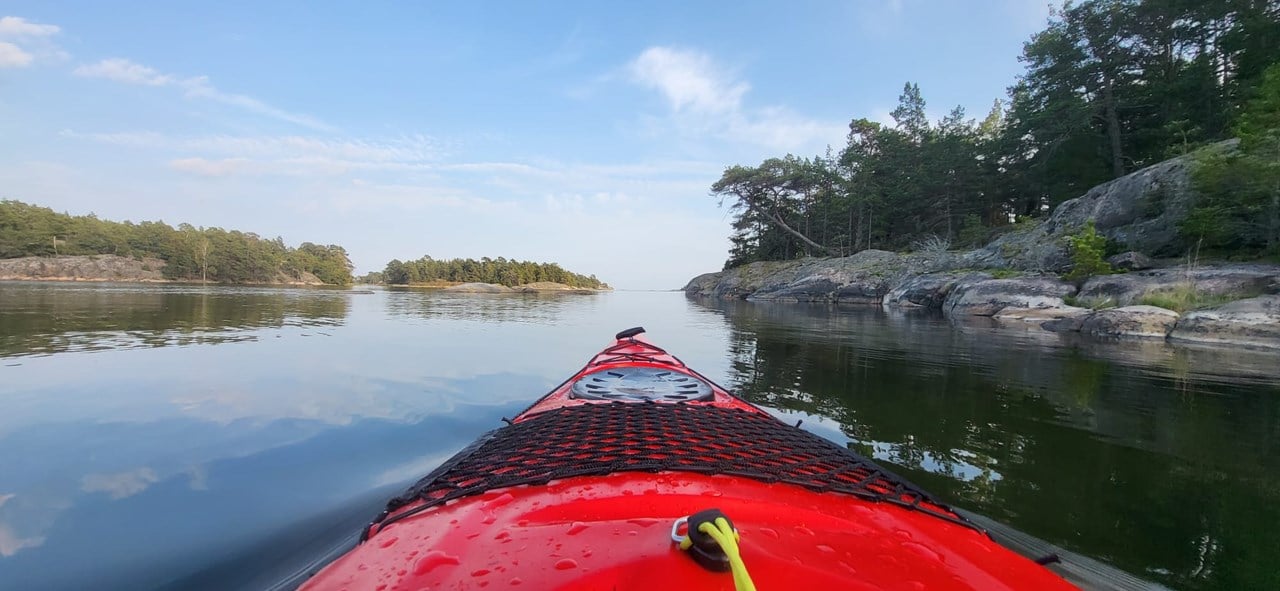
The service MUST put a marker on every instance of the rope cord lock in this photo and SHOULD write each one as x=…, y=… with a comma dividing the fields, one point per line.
x=712, y=542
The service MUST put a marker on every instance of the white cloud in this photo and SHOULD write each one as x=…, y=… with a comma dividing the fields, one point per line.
x=707, y=100
x=290, y=155
x=129, y=72
x=120, y=484
x=200, y=87
x=402, y=149
x=33, y=39
x=123, y=70
x=11, y=543
x=205, y=167
x=16, y=26
x=688, y=79
x=12, y=56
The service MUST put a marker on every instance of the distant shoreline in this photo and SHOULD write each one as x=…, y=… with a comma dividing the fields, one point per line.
x=109, y=268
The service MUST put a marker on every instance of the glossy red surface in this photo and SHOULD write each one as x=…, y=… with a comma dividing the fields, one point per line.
x=633, y=352
x=614, y=532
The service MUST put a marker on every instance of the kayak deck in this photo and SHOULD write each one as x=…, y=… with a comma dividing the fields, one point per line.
x=603, y=439
x=613, y=532
x=586, y=489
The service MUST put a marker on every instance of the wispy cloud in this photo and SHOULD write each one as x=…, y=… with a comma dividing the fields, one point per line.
x=129, y=72
x=16, y=26
x=289, y=155
x=12, y=56
x=22, y=42
x=119, y=485
x=707, y=98
x=123, y=70
x=689, y=80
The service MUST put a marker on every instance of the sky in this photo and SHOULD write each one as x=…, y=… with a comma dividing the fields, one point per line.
x=582, y=133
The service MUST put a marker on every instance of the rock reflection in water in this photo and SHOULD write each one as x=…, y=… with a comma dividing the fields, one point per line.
x=1161, y=459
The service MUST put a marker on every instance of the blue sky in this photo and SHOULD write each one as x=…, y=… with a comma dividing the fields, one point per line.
x=585, y=133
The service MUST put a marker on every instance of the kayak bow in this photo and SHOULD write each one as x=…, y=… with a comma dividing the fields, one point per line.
x=639, y=473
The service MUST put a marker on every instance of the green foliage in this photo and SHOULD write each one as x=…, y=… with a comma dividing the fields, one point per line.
x=1087, y=250
x=972, y=232
x=372, y=278
x=1090, y=302
x=500, y=271
x=1185, y=297
x=1005, y=273
x=1110, y=86
x=1237, y=209
x=189, y=253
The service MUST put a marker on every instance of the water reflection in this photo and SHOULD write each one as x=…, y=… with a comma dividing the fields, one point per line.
x=1162, y=461
x=41, y=319
x=533, y=308
x=188, y=466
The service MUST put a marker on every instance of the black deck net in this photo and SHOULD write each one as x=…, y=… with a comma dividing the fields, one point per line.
x=606, y=438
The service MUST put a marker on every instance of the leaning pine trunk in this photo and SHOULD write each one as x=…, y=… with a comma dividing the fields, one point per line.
x=1273, y=234
x=1113, y=129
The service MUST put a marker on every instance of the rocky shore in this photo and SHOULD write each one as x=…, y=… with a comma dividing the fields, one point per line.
x=537, y=287
x=107, y=267
x=1104, y=306
x=1016, y=278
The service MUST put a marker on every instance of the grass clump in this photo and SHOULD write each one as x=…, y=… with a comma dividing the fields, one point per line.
x=1090, y=302
x=1186, y=297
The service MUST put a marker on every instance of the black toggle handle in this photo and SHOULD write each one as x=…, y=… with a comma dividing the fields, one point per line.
x=630, y=332
x=705, y=550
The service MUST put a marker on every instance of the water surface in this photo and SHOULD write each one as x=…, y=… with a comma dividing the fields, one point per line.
x=211, y=438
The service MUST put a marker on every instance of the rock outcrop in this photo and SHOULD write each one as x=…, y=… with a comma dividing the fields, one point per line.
x=1253, y=322
x=1139, y=211
x=1218, y=279
x=107, y=267
x=987, y=297
x=479, y=288
x=929, y=290
x=1130, y=261
x=1130, y=322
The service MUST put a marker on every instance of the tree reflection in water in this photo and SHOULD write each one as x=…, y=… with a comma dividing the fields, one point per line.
x=1162, y=460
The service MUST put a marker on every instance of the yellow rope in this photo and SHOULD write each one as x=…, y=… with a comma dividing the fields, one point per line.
x=727, y=538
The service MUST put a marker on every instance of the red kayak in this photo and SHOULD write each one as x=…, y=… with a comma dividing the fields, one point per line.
x=639, y=473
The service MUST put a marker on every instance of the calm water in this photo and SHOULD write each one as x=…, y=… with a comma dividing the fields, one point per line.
x=220, y=438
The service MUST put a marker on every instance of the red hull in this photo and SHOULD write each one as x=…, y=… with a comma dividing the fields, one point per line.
x=613, y=531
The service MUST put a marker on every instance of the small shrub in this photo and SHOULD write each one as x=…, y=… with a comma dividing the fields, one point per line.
x=1005, y=273
x=1023, y=223
x=1090, y=302
x=1088, y=248
x=932, y=244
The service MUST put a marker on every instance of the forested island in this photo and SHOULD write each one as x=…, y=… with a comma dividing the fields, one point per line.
x=1128, y=185
x=39, y=243
x=427, y=271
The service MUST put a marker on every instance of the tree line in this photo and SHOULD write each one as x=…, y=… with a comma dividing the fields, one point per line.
x=190, y=253
x=1110, y=86
x=500, y=271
